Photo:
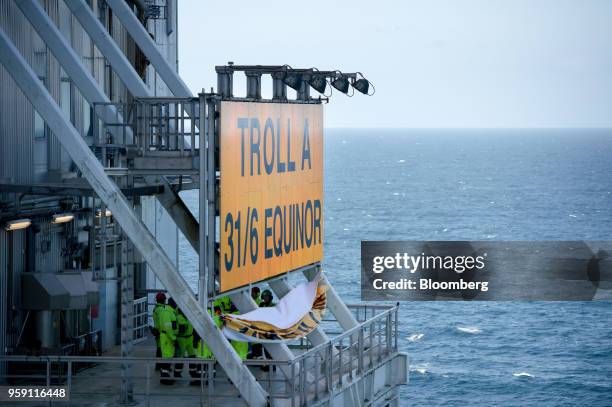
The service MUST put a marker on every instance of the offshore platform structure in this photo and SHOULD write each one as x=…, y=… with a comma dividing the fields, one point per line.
x=99, y=135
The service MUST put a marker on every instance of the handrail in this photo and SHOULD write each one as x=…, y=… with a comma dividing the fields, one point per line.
x=97, y=359
x=315, y=374
x=345, y=334
x=314, y=350
x=156, y=124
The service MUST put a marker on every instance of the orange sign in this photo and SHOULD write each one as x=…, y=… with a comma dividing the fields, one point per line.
x=271, y=209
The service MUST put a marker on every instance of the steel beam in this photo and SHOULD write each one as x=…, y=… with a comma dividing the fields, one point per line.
x=170, y=200
x=103, y=40
x=146, y=44
x=93, y=93
x=176, y=208
x=123, y=212
x=67, y=57
x=203, y=210
x=74, y=189
x=343, y=315
x=211, y=193
x=122, y=67
x=127, y=320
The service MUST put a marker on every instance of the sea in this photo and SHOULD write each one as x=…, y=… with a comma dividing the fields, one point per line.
x=475, y=184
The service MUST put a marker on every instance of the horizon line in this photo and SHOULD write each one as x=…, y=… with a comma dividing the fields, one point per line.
x=472, y=128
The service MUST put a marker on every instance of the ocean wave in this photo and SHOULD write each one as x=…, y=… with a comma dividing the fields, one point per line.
x=522, y=374
x=468, y=329
x=415, y=337
x=419, y=369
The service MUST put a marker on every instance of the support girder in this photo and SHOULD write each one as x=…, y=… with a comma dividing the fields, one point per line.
x=169, y=199
x=146, y=44
x=105, y=43
x=93, y=93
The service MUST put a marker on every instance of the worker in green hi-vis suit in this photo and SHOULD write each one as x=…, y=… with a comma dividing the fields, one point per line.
x=160, y=301
x=224, y=303
x=202, y=351
x=168, y=329
x=184, y=342
x=241, y=348
x=256, y=295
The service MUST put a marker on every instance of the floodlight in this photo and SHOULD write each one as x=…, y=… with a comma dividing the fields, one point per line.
x=362, y=85
x=293, y=80
x=17, y=224
x=341, y=83
x=318, y=83
x=62, y=218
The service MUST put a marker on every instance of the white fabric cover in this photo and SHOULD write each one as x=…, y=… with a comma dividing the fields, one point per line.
x=286, y=313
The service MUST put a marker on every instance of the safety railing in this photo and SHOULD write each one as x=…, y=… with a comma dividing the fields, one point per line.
x=312, y=377
x=349, y=356
x=147, y=128
x=103, y=383
x=168, y=124
x=141, y=319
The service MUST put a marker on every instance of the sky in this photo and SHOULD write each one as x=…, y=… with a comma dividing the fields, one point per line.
x=434, y=63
